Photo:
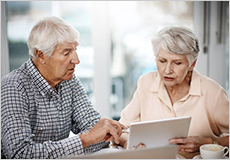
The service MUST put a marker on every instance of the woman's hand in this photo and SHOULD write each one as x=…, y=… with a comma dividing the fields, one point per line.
x=191, y=143
x=140, y=145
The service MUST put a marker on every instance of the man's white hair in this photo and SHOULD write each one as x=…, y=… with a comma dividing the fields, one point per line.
x=50, y=32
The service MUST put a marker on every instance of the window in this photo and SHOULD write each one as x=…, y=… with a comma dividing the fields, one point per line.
x=122, y=30
x=22, y=16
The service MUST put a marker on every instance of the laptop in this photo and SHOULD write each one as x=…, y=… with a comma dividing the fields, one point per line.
x=165, y=152
x=157, y=133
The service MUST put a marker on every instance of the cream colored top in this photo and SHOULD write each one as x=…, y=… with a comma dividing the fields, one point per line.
x=207, y=103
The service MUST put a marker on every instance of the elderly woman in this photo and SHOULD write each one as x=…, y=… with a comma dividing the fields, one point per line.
x=176, y=89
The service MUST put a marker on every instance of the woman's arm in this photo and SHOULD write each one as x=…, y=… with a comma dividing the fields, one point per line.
x=224, y=141
x=193, y=143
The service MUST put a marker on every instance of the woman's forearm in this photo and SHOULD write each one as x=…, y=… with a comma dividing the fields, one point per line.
x=224, y=141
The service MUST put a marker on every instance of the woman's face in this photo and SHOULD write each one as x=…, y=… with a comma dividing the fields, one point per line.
x=172, y=68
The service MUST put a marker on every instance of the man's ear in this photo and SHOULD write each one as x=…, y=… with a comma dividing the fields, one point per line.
x=192, y=66
x=40, y=56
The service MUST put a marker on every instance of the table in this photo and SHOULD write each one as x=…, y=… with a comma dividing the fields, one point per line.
x=181, y=154
x=185, y=155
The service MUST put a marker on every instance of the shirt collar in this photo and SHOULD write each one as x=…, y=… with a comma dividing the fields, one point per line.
x=195, y=89
x=157, y=84
x=40, y=83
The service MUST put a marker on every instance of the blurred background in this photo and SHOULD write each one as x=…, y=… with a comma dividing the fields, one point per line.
x=115, y=44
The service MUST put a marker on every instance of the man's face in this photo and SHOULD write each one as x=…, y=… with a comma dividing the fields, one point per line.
x=60, y=65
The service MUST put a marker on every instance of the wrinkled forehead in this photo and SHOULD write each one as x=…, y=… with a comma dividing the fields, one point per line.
x=171, y=56
x=67, y=44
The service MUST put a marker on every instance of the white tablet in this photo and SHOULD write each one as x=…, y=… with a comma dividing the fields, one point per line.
x=158, y=132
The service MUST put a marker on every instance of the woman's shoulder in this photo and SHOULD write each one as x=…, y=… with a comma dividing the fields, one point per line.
x=209, y=85
x=147, y=78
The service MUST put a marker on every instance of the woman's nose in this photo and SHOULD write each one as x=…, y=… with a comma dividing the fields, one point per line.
x=168, y=69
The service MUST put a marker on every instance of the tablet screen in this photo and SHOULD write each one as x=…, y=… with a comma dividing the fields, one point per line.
x=158, y=132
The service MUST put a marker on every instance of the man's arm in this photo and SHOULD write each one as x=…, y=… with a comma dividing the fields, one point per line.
x=86, y=118
x=16, y=135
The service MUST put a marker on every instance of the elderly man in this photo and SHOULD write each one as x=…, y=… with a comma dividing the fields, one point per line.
x=42, y=101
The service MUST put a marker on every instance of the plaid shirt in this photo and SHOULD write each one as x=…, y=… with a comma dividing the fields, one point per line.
x=36, y=119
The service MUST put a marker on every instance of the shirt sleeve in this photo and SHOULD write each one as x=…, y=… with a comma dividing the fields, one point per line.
x=131, y=113
x=84, y=115
x=221, y=112
x=16, y=135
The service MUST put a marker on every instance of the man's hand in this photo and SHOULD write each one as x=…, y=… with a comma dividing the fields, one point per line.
x=105, y=130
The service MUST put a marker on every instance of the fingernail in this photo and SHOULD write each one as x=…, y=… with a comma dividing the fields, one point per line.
x=125, y=130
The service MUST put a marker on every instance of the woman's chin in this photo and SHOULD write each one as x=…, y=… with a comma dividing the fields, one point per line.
x=169, y=84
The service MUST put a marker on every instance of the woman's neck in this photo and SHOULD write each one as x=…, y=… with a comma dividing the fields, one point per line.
x=179, y=91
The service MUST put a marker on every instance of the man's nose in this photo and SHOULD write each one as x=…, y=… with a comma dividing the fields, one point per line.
x=75, y=58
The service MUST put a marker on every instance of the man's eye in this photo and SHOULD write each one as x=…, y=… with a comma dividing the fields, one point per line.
x=67, y=53
x=162, y=61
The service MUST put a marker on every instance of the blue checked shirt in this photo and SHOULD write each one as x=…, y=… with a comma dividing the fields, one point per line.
x=36, y=119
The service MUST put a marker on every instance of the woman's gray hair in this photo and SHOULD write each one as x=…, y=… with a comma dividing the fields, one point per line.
x=177, y=40
x=50, y=32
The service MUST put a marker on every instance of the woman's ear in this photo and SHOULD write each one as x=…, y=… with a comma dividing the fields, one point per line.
x=40, y=56
x=192, y=66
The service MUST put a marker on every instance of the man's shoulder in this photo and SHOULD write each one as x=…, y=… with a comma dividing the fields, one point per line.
x=16, y=77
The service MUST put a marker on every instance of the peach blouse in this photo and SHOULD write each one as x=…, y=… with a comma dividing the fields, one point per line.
x=207, y=103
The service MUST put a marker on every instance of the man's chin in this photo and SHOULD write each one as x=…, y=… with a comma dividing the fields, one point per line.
x=69, y=77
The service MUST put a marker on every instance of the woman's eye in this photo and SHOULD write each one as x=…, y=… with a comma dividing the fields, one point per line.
x=162, y=61
x=178, y=63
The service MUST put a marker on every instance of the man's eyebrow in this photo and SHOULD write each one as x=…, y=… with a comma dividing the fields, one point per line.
x=66, y=49
x=69, y=48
